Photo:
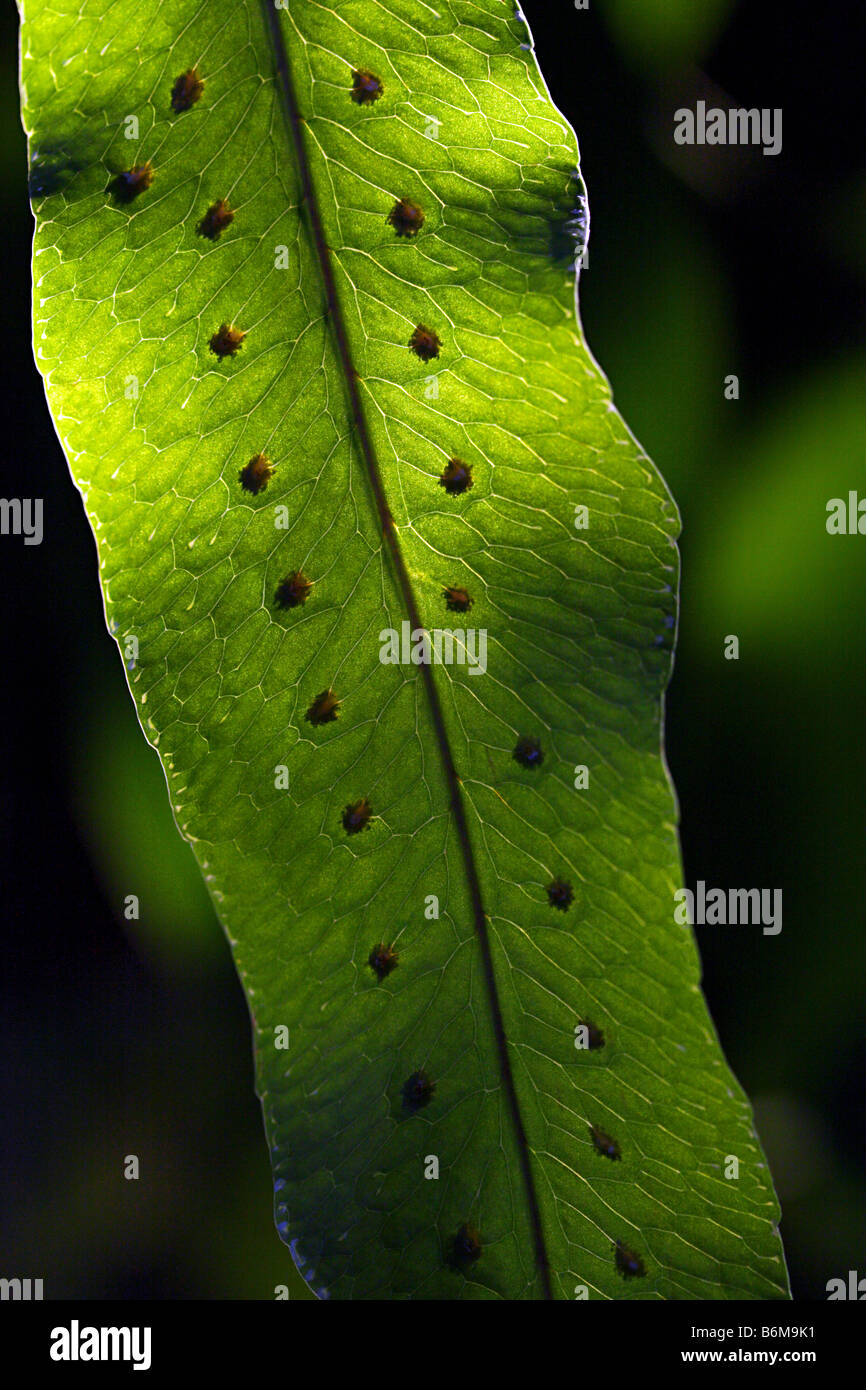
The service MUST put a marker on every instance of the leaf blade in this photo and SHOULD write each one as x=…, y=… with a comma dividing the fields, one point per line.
x=580, y=638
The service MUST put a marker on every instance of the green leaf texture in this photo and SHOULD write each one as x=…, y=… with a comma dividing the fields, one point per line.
x=465, y=843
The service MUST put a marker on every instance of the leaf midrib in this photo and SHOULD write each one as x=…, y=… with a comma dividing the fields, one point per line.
x=374, y=478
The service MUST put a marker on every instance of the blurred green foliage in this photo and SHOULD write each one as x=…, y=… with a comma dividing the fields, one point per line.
x=129, y=836
x=657, y=34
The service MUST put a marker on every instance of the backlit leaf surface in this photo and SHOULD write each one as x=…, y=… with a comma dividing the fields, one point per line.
x=377, y=1195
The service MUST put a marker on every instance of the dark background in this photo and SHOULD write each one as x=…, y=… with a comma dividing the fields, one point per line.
x=132, y=1037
